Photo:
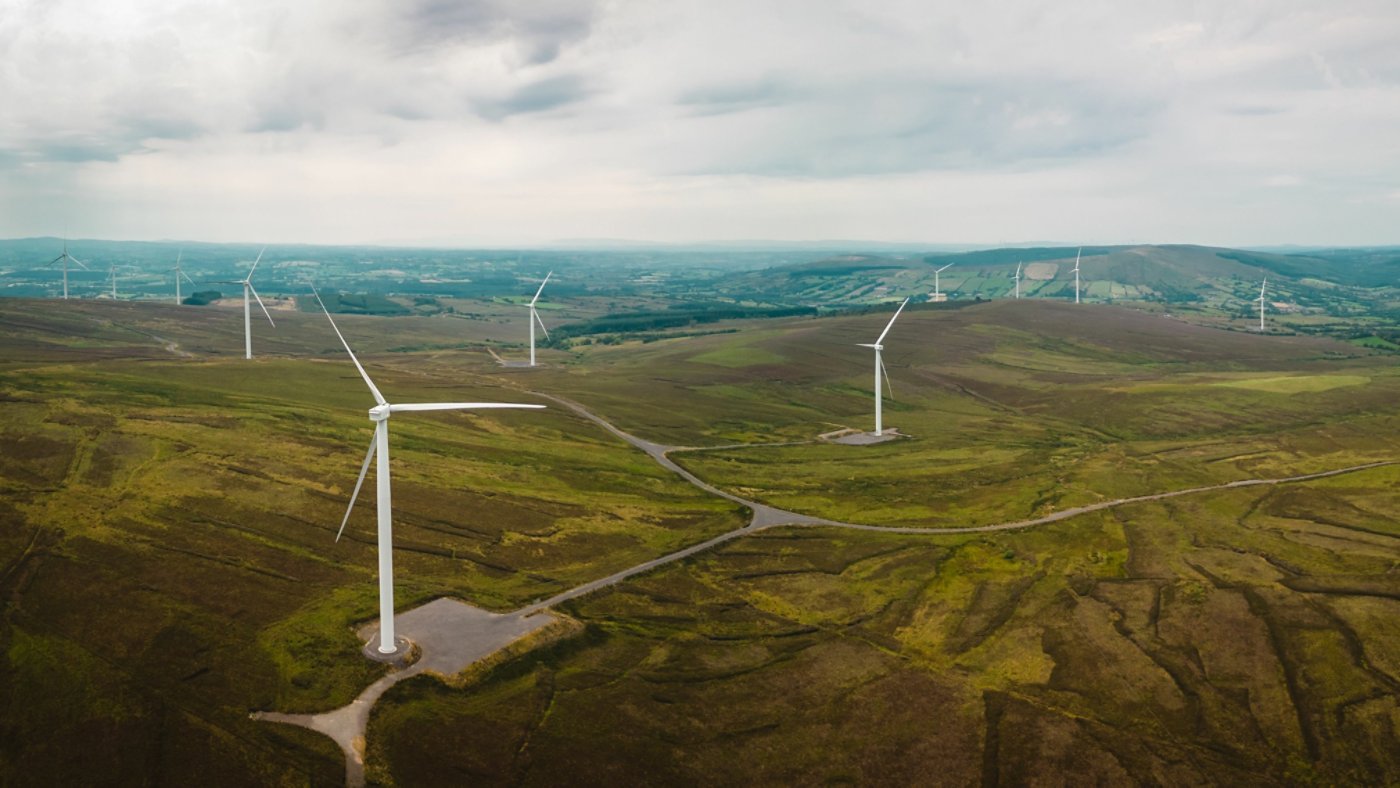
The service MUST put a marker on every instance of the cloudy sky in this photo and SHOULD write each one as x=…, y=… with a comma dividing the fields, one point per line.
x=503, y=122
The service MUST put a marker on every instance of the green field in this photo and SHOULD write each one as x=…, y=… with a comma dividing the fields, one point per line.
x=168, y=564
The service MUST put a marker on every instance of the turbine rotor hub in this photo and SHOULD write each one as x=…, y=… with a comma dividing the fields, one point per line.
x=379, y=413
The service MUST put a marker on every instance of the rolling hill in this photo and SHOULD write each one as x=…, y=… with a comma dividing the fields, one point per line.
x=1189, y=279
x=167, y=562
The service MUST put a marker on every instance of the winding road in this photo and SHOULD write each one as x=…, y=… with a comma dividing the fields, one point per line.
x=347, y=724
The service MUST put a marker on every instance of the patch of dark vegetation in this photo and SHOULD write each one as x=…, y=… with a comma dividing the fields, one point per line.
x=355, y=304
x=202, y=298
x=1384, y=586
x=676, y=317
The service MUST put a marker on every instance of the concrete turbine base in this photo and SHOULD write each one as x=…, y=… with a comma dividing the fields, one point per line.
x=867, y=438
x=405, y=651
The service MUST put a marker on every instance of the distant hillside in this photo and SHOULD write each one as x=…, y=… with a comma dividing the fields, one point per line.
x=1212, y=280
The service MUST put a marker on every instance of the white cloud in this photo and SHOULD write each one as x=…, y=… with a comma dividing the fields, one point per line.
x=499, y=121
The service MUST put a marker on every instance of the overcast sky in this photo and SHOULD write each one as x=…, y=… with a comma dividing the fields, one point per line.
x=523, y=122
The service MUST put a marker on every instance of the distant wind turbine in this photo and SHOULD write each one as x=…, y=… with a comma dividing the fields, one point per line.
x=1018, y=280
x=535, y=318
x=1262, y=285
x=1076, y=274
x=379, y=414
x=938, y=293
x=112, y=272
x=179, y=273
x=247, y=283
x=880, y=367
x=65, y=257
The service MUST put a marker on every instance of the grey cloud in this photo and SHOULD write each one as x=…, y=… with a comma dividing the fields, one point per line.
x=546, y=94
x=120, y=137
x=395, y=61
x=870, y=129
x=540, y=29
x=78, y=150
x=724, y=99
x=1255, y=110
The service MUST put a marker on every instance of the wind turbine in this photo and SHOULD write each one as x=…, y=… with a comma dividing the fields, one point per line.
x=880, y=366
x=112, y=272
x=247, y=283
x=179, y=273
x=535, y=318
x=1262, y=285
x=1076, y=274
x=65, y=257
x=1018, y=280
x=379, y=414
x=937, y=294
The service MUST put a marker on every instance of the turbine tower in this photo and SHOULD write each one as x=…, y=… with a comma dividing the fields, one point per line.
x=938, y=293
x=65, y=257
x=112, y=272
x=535, y=318
x=1018, y=280
x=880, y=367
x=179, y=273
x=1262, y=285
x=379, y=444
x=247, y=283
x=1076, y=274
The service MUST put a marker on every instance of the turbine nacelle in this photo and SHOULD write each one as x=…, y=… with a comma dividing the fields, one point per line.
x=380, y=412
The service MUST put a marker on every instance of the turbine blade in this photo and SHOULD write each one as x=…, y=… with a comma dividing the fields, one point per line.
x=888, y=387
x=188, y=279
x=536, y=316
x=945, y=268
x=541, y=290
x=891, y=323
x=364, y=469
x=255, y=262
x=457, y=406
x=79, y=262
x=254, y=290
x=378, y=398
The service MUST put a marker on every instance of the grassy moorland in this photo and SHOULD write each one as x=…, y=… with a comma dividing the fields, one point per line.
x=167, y=553
x=1236, y=637
x=167, y=564
x=1013, y=409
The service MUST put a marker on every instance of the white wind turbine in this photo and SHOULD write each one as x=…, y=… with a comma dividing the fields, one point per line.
x=112, y=273
x=535, y=318
x=1018, y=280
x=65, y=257
x=880, y=367
x=937, y=293
x=247, y=283
x=179, y=273
x=379, y=414
x=1076, y=274
x=1262, y=285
